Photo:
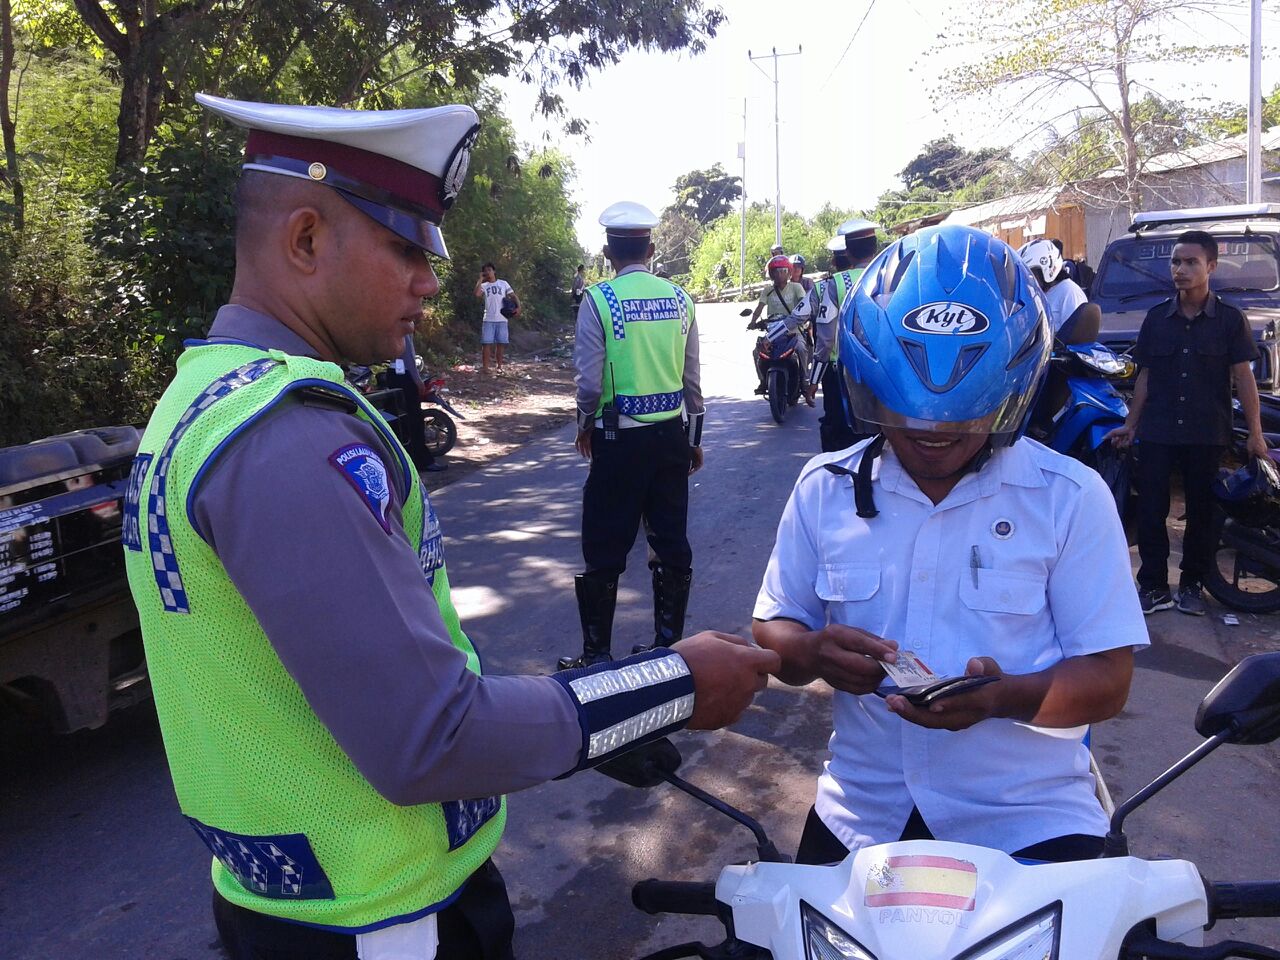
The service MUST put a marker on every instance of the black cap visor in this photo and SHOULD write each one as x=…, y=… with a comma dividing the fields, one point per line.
x=416, y=230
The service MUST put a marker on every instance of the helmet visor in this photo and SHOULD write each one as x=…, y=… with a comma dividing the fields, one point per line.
x=1006, y=417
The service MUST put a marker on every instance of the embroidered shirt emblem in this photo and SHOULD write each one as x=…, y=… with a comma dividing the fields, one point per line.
x=365, y=472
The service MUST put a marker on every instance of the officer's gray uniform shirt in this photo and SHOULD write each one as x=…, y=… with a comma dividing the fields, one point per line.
x=353, y=620
x=588, y=363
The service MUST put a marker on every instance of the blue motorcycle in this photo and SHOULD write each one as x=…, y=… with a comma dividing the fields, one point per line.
x=1079, y=406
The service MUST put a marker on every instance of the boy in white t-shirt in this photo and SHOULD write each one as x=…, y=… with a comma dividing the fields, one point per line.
x=493, y=332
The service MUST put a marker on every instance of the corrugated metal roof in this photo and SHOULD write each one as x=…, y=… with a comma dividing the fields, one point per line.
x=1014, y=205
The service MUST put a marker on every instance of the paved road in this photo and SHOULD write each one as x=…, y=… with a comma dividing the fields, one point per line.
x=95, y=862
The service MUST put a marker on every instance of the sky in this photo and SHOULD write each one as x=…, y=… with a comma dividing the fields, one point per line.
x=846, y=125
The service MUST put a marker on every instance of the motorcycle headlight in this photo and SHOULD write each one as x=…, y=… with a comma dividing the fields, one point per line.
x=824, y=940
x=1103, y=361
x=1032, y=938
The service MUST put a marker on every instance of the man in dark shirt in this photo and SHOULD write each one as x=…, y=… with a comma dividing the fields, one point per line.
x=1190, y=348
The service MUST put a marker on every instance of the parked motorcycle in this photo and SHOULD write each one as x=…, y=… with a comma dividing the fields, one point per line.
x=439, y=430
x=778, y=363
x=1079, y=405
x=939, y=900
x=1244, y=573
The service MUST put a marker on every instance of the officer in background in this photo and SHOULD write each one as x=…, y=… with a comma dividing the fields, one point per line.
x=640, y=424
x=328, y=729
x=852, y=248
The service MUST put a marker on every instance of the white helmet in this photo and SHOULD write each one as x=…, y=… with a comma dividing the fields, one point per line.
x=1041, y=255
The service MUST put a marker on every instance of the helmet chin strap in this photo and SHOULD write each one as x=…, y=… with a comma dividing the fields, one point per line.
x=863, y=496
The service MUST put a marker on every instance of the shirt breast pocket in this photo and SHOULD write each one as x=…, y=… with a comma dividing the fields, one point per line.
x=853, y=595
x=1004, y=593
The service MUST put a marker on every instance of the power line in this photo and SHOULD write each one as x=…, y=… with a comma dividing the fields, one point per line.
x=847, y=46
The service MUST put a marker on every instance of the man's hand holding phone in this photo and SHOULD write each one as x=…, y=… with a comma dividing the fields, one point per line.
x=943, y=703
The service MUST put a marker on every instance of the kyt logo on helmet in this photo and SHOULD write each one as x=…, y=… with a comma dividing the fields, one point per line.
x=946, y=318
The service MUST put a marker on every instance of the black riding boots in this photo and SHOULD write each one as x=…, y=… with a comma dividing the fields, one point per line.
x=597, y=597
x=670, y=600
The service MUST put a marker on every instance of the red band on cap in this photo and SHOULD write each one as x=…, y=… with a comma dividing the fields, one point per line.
x=415, y=187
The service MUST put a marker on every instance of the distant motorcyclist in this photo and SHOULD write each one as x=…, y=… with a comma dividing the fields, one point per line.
x=852, y=248
x=798, y=263
x=779, y=302
x=1063, y=294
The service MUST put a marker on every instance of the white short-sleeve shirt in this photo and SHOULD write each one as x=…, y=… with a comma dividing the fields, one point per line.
x=1063, y=298
x=1053, y=582
x=493, y=294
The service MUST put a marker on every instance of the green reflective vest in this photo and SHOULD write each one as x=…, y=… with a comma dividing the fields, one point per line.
x=296, y=831
x=844, y=282
x=646, y=323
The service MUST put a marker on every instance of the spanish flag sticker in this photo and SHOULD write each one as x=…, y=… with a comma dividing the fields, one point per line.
x=922, y=881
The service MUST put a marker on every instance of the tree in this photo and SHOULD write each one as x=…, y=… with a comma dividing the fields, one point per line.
x=1042, y=52
x=674, y=240
x=360, y=51
x=9, y=174
x=944, y=165
x=706, y=195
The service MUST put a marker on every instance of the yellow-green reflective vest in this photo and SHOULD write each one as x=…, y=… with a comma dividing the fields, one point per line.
x=646, y=323
x=296, y=831
x=844, y=282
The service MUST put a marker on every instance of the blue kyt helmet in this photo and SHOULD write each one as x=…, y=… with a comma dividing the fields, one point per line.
x=945, y=330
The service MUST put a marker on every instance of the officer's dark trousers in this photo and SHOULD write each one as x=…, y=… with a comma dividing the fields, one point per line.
x=834, y=431
x=818, y=845
x=478, y=925
x=1156, y=463
x=643, y=474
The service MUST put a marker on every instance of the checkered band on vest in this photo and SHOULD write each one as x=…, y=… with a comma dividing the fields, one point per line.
x=615, y=311
x=652, y=403
x=163, y=560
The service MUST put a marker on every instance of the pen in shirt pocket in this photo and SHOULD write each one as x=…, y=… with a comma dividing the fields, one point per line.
x=975, y=563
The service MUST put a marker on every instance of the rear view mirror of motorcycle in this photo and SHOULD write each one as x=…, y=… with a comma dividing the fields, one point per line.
x=1244, y=706
x=744, y=312
x=646, y=766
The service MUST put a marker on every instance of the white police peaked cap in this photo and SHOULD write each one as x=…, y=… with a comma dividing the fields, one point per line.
x=404, y=168
x=627, y=218
x=856, y=228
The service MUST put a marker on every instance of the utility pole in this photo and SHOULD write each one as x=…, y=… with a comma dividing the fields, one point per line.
x=742, y=153
x=777, y=139
x=1253, y=165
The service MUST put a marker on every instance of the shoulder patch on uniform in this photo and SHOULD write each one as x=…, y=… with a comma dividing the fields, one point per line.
x=366, y=472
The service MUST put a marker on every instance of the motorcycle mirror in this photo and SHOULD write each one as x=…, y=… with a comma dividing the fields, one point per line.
x=745, y=312
x=1245, y=704
x=646, y=766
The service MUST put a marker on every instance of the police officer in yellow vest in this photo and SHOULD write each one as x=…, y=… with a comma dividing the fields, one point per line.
x=640, y=424
x=852, y=248
x=328, y=729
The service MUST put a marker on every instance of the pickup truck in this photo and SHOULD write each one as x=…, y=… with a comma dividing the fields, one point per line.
x=1133, y=275
x=70, y=648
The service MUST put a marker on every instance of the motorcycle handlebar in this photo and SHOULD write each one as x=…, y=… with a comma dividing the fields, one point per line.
x=1227, y=901
x=674, y=896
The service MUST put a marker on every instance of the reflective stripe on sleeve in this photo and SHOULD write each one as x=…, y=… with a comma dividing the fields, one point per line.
x=626, y=703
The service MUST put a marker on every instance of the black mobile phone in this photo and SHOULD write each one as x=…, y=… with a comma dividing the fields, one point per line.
x=921, y=695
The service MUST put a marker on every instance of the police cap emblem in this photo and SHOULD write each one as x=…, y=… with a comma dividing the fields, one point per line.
x=455, y=172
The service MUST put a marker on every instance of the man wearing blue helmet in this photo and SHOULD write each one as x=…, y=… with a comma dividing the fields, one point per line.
x=951, y=537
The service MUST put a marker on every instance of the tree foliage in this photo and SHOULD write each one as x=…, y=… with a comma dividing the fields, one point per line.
x=944, y=165
x=674, y=241
x=1049, y=55
x=706, y=195
x=359, y=52
x=716, y=262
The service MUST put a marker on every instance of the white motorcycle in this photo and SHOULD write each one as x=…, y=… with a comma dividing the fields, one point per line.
x=932, y=900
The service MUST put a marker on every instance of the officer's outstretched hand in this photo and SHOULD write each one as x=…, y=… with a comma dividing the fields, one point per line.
x=727, y=674
x=961, y=711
